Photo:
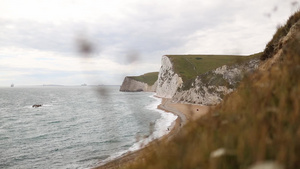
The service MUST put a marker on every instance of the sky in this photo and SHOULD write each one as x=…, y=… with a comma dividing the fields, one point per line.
x=72, y=42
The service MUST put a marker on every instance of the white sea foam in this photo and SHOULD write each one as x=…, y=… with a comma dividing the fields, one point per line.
x=43, y=105
x=162, y=126
x=72, y=120
x=47, y=105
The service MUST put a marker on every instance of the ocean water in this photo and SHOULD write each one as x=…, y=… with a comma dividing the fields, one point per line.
x=77, y=127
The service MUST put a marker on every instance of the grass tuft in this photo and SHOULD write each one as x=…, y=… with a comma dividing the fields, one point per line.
x=274, y=44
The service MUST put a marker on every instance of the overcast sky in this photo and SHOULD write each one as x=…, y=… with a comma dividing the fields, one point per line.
x=39, y=39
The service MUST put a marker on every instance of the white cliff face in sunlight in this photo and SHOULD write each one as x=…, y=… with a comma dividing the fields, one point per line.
x=168, y=80
x=131, y=85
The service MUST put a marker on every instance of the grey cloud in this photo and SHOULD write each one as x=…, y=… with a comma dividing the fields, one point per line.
x=147, y=31
x=35, y=35
x=152, y=29
x=147, y=27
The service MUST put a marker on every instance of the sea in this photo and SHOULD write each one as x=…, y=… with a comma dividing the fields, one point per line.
x=76, y=126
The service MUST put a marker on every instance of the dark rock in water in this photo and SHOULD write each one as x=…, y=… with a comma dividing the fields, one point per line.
x=37, y=105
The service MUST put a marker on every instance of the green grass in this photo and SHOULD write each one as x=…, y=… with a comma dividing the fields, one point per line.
x=149, y=78
x=190, y=66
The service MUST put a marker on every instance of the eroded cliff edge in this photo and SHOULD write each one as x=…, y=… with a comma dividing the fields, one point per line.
x=143, y=83
x=194, y=79
x=131, y=85
x=168, y=80
x=207, y=88
x=211, y=87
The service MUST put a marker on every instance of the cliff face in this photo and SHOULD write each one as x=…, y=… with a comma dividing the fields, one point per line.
x=131, y=85
x=206, y=89
x=211, y=87
x=168, y=80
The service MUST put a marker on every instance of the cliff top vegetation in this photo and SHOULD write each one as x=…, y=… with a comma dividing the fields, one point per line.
x=149, y=78
x=190, y=66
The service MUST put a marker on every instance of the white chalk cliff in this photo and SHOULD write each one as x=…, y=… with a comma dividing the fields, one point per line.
x=131, y=85
x=168, y=80
x=206, y=89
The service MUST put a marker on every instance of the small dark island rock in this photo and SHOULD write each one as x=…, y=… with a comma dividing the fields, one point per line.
x=36, y=105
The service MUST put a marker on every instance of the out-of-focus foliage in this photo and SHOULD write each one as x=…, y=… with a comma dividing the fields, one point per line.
x=282, y=31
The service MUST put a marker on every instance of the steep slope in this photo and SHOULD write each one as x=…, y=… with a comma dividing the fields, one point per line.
x=280, y=37
x=168, y=80
x=146, y=82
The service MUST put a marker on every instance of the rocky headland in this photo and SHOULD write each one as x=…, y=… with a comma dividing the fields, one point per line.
x=202, y=86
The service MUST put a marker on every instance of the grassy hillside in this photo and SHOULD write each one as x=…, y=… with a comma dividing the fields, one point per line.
x=149, y=78
x=189, y=66
x=256, y=123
